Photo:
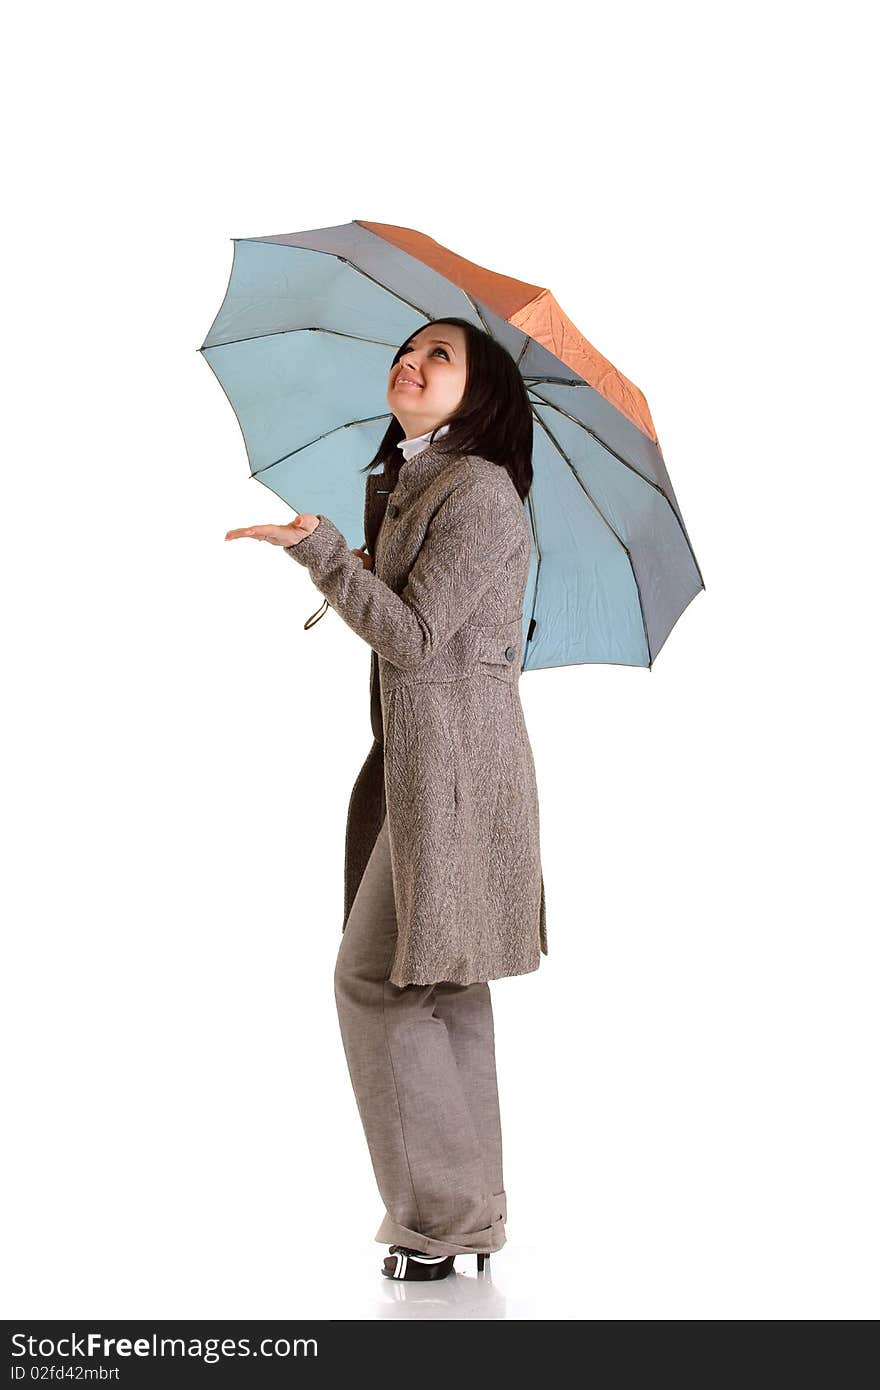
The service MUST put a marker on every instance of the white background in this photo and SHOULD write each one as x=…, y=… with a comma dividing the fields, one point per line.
x=688, y=1083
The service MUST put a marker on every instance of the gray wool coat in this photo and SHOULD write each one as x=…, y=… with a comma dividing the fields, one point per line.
x=451, y=764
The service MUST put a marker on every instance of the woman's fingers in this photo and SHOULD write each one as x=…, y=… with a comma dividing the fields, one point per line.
x=278, y=535
x=241, y=531
x=263, y=533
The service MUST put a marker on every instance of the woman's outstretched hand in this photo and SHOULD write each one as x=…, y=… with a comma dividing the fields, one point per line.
x=291, y=534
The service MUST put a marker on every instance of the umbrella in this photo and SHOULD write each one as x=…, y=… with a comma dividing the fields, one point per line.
x=302, y=346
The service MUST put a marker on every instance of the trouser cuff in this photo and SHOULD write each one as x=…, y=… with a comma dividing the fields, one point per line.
x=490, y=1238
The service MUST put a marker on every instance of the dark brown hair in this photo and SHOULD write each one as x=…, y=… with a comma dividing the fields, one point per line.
x=493, y=419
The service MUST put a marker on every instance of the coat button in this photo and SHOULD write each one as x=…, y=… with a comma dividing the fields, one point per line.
x=392, y=509
x=510, y=653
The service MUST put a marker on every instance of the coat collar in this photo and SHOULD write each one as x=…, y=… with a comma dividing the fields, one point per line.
x=427, y=463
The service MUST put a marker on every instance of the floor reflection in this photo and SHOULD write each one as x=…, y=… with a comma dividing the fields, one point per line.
x=458, y=1296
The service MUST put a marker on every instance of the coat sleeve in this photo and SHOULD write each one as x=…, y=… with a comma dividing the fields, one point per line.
x=468, y=540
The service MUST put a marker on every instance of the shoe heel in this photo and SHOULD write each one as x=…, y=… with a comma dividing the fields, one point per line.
x=481, y=1260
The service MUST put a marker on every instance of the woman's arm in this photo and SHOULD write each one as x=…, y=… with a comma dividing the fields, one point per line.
x=463, y=554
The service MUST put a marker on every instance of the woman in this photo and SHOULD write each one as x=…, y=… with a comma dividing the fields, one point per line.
x=443, y=883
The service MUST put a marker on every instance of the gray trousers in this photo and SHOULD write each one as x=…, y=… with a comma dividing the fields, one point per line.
x=422, y=1064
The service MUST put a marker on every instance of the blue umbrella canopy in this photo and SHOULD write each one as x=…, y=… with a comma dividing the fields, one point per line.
x=302, y=346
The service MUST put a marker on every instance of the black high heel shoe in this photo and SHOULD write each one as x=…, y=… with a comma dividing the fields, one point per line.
x=403, y=1263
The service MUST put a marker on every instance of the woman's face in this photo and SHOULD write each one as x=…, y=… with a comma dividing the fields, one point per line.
x=427, y=381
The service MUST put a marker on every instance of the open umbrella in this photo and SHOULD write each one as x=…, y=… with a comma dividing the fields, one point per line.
x=302, y=345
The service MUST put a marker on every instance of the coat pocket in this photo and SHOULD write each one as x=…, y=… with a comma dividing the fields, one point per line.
x=498, y=648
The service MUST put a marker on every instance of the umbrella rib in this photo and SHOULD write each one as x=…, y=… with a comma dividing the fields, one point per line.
x=555, y=442
x=305, y=328
x=349, y=424
x=556, y=380
x=525, y=337
x=476, y=308
x=395, y=294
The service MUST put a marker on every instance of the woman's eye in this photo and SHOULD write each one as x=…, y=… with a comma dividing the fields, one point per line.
x=436, y=349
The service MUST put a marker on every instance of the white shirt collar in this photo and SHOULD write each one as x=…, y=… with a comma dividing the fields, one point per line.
x=409, y=447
